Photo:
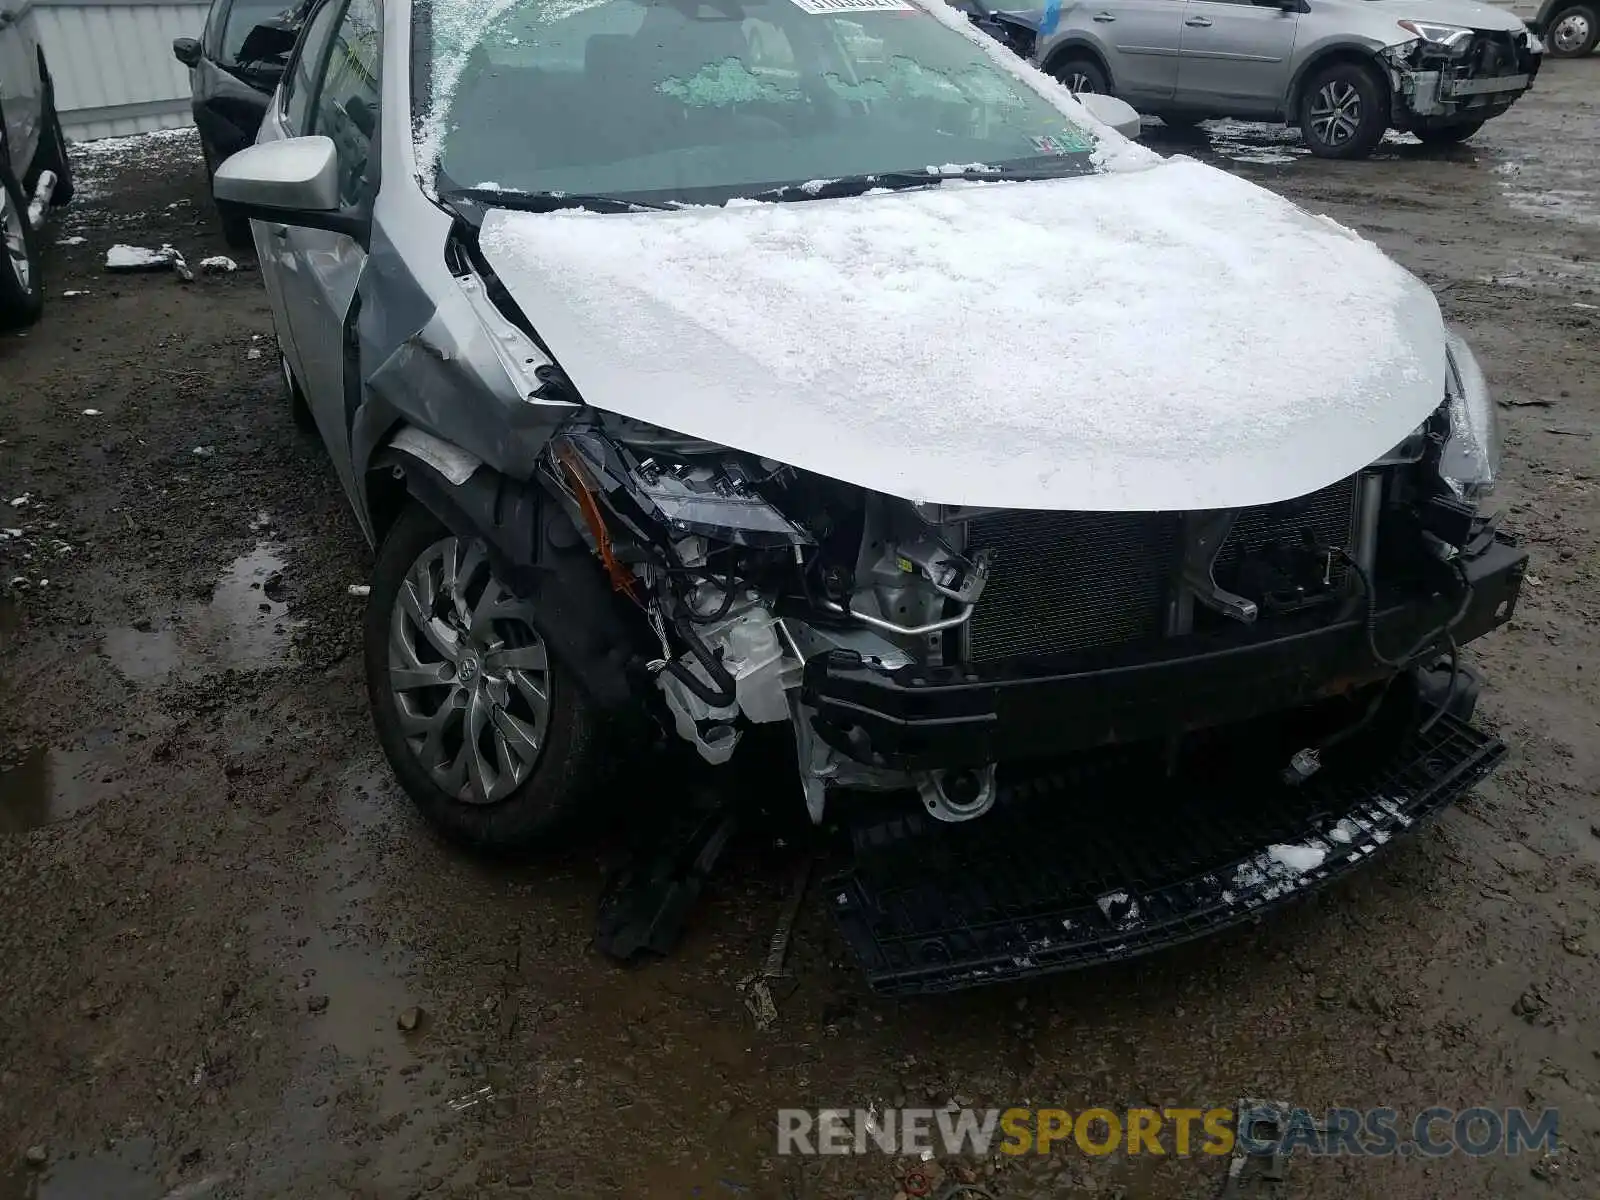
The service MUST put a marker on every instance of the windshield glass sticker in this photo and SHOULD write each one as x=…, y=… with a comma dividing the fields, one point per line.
x=1060, y=143
x=829, y=8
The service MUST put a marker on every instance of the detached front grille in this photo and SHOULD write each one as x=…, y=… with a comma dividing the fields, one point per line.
x=1062, y=582
x=1069, y=581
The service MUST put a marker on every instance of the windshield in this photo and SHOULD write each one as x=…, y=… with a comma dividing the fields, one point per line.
x=244, y=16
x=699, y=102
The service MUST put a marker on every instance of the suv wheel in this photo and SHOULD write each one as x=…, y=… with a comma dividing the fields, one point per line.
x=487, y=733
x=1344, y=111
x=1081, y=75
x=1573, y=31
x=235, y=229
x=21, y=285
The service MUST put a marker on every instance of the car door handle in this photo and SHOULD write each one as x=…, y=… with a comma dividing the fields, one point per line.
x=1104, y=17
x=1199, y=22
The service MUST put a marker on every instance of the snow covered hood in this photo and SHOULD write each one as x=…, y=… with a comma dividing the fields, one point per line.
x=1167, y=338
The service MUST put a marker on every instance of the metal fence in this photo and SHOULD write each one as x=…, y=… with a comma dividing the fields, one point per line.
x=112, y=63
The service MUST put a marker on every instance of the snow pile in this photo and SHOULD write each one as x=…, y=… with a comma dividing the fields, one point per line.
x=137, y=258
x=218, y=265
x=1299, y=859
x=1138, y=340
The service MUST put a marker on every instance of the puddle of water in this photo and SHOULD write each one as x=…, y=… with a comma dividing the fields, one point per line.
x=49, y=786
x=355, y=1062
x=245, y=625
x=126, y=1172
x=1549, y=188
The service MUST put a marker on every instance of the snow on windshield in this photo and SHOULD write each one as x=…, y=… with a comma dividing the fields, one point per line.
x=457, y=27
x=460, y=26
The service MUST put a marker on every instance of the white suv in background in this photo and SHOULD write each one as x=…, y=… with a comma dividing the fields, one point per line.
x=34, y=173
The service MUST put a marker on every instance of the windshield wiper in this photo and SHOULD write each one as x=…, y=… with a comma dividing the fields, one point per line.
x=855, y=185
x=551, y=201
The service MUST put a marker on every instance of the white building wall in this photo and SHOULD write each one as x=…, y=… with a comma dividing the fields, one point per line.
x=112, y=63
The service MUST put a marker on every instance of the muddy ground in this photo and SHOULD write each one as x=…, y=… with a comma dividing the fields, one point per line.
x=217, y=906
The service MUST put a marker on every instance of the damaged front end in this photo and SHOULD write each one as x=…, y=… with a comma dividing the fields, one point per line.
x=1447, y=75
x=745, y=570
x=1227, y=707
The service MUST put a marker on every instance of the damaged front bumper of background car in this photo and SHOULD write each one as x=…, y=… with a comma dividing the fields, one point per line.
x=1446, y=75
x=1166, y=721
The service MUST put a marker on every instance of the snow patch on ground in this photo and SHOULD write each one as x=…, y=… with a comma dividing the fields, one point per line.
x=135, y=258
x=134, y=145
x=218, y=264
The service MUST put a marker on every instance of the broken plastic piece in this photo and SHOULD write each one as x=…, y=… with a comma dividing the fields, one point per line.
x=648, y=902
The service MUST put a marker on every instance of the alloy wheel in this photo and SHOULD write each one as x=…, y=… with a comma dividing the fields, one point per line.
x=14, y=234
x=1571, y=33
x=469, y=674
x=1336, y=113
x=1078, y=83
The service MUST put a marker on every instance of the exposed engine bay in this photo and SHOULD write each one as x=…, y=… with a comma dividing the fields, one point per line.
x=870, y=623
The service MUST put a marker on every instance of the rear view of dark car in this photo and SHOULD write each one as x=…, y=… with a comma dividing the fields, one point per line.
x=234, y=67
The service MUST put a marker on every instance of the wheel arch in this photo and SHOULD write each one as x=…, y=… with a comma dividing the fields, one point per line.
x=1354, y=53
x=534, y=546
x=1076, y=47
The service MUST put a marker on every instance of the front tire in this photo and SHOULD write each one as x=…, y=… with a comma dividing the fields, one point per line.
x=21, y=280
x=1081, y=75
x=1573, y=31
x=1344, y=111
x=487, y=733
x=1449, y=135
x=235, y=229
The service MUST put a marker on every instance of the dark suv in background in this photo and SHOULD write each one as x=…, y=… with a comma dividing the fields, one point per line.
x=234, y=67
x=34, y=172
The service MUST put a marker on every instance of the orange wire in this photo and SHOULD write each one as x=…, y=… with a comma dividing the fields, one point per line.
x=622, y=579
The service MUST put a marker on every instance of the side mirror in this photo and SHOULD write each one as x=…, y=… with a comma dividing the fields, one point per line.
x=293, y=182
x=186, y=51
x=1108, y=110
